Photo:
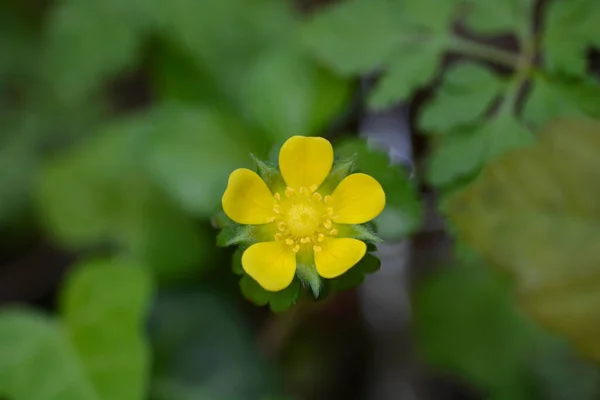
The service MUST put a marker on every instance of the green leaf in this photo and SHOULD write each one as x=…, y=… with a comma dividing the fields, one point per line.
x=253, y=291
x=463, y=152
x=407, y=72
x=553, y=97
x=495, y=17
x=568, y=31
x=534, y=213
x=463, y=315
x=467, y=92
x=280, y=91
x=99, y=340
x=356, y=275
x=236, y=261
x=402, y=214
x=269, y=173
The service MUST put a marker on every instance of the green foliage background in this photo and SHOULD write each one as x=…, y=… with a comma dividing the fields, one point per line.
x=121, y=121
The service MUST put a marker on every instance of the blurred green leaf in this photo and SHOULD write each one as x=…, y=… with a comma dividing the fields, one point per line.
x=463, y=315
x=402, y=214
x=463, y=152
x=534, y=213
x=495, y=17
x=192, y=151
x=356, y=275
x=280, y=93
x=81, y=53
x=552, y=97
x=96, y=352
x=306, y=271
x=101, y=193
x=204, y=349
x=570, y=26
x=406, y=72
x=467, y=92
x=359, y=36
x=284, y=299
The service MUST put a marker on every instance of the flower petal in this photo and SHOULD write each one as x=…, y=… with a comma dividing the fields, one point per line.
x=305, y=161
x=338, y=256
x=271, y=264
x=247, y=199
x=359, y=198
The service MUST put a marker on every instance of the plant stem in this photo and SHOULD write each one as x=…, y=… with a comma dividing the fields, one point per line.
x=488, y=53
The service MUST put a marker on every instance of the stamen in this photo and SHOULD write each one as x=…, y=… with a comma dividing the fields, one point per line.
x=327, y=199
x=317, y=248
x=317, y=196
x=327, y=224
x=296, y=248
x=289, y=192
x=277, y=209
x=271, y=219
x=320, y=237
x=305, y=240
x=281, y=226
x=330, y=211
x=278, y=236
x=303, y=190
x=333, y=232
x=289, y=241
x=313, y=188
x=277, y=196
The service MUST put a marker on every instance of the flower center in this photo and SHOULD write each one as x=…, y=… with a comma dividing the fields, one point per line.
x=303, y=218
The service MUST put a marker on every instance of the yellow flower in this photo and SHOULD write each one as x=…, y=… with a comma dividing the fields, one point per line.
x=302, y=217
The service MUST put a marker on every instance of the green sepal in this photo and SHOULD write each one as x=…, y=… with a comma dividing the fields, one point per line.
x=278, y=301
x=236, y=261
x=284, y=299
x=220, y=220
x=306, y=271
x=341, y=168
x=356, y=275
x=269, y=173
x=236, y=234
x=362, y=232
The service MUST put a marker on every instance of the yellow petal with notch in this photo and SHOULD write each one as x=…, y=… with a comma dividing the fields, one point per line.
x=271, y=264
x=305, y=161
x=247, y=199
x=338, y=256
x=358, y=198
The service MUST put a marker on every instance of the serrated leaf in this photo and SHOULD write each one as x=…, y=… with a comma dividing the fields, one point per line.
x=341, y=169
x=402, y=203
x=552, y=97
x=495, y=17
x=467, y=91
x=269, y=173
x=407, y=72
x=534, y=213
x=357, y=36
x=356, y=275
x=462, y=153
x=99, y=341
